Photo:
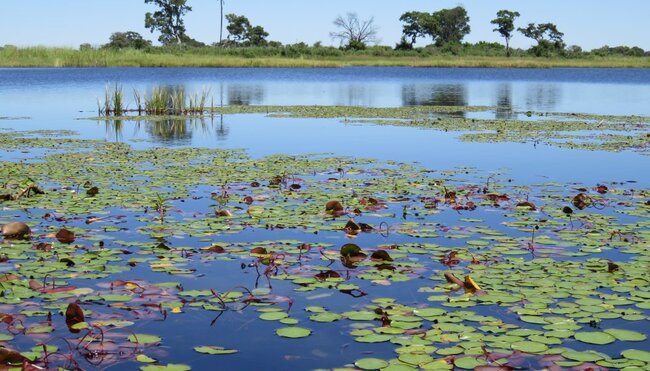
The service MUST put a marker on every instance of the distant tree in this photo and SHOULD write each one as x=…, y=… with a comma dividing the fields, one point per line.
x=238, y=26
x=416, y=24
x=353, y=33
x=85, y=46
x=505, y=22
x=444, y=26
x=129, y=39
x=168, y=20
x=449, y=25
x=242, y=31
x=546, y=35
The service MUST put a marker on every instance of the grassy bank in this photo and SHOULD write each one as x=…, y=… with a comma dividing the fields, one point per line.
x=61, y=57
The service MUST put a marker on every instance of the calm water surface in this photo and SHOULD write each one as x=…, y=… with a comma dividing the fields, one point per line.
x=58, y=98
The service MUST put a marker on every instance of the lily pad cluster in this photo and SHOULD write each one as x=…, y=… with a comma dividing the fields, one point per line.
x=416, y=268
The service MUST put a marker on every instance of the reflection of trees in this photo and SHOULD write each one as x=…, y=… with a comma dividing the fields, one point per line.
x=222, y=130
x=542, y=97
x=354, y=95
x=434, y=95
x=504, y=102
x=170, y=131
x=245, y=95
x=173, y=131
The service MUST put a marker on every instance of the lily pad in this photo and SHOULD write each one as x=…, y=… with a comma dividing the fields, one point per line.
x=293, y=332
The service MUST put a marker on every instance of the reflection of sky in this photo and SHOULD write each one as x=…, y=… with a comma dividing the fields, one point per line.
x=605, y=91
x=55, y=98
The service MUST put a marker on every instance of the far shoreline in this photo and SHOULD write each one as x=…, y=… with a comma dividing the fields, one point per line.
x=199, y=58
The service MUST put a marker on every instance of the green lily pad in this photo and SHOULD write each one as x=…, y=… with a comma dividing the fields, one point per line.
x=293, y=332
x=640, y=355
x=626, y=335
x=595, y=337
x=214, y=350
x=144, y=339
x=529, y=347
x=370, y=363
x=168, y=367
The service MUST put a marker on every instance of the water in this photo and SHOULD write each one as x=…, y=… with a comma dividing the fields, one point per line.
x=59, y=98
x=56, y=98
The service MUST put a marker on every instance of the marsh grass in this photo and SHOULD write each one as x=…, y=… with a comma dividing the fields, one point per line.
x=113, y=101
x=270, y=57
x=166, y=100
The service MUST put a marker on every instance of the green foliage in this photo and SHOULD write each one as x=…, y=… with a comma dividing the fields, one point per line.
x=548, y=38
x=627, y=51
x=168, y=20
x=444, y=26
x=505, y=22
x=243, y=32
x=129, y=39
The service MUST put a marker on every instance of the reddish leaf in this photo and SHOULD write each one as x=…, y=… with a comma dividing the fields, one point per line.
x=65, y=236
x=216, y=249
x=74, y=314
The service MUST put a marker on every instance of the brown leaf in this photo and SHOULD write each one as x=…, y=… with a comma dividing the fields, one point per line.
x=333, y=206
x=381, y=255
x=602, y=189
x=10, y=356
x=581, y=201
x=43, y=246
x=74, y=314
x=65, y=236
x=215, y=249
x=527, y=204
x=17, y=230
x=327, y=274
x=258, y=250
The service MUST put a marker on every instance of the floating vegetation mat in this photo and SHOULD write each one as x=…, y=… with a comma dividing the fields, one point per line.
x=565, y=130
x=168, y=258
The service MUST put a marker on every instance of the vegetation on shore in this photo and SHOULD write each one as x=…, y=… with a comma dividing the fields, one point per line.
x=294, y=56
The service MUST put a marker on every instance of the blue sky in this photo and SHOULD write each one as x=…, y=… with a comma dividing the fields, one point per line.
x=588, y=23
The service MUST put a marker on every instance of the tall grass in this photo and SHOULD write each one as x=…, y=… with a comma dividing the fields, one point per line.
x=113, y=101
x=292, y=56
x=166, y=100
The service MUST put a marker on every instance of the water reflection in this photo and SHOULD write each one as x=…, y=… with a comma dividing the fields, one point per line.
x=354, y=95
x=172, y=131
x=244, y=95
x=542, y=97
x=434, y=95
x=503, y=104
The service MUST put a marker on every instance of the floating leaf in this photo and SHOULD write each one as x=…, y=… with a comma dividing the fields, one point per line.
x=293, y=332
x=214, y=350
x=144, y=339
x=370, y=363
x=595, y=337
x=626, y=335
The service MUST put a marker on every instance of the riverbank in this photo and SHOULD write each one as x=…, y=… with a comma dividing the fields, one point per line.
x=62, y=57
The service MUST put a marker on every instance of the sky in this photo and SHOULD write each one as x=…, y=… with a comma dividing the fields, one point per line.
x=69, y=23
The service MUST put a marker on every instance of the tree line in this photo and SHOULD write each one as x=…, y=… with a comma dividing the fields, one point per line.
x=445, y=28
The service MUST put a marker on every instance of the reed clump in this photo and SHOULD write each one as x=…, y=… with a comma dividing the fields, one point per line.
x=167, y=100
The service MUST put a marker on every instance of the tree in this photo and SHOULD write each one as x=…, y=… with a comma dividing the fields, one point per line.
x=546, y=35
x=168, y=20
x=444, y=26
x=353, y=33
x=241, y=30
x=129, y=39
x=416, y=25
x=505, y=22
x=449, y=25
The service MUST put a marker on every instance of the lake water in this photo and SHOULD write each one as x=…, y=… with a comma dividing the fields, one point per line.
x=56, y=98
x=39, y=99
